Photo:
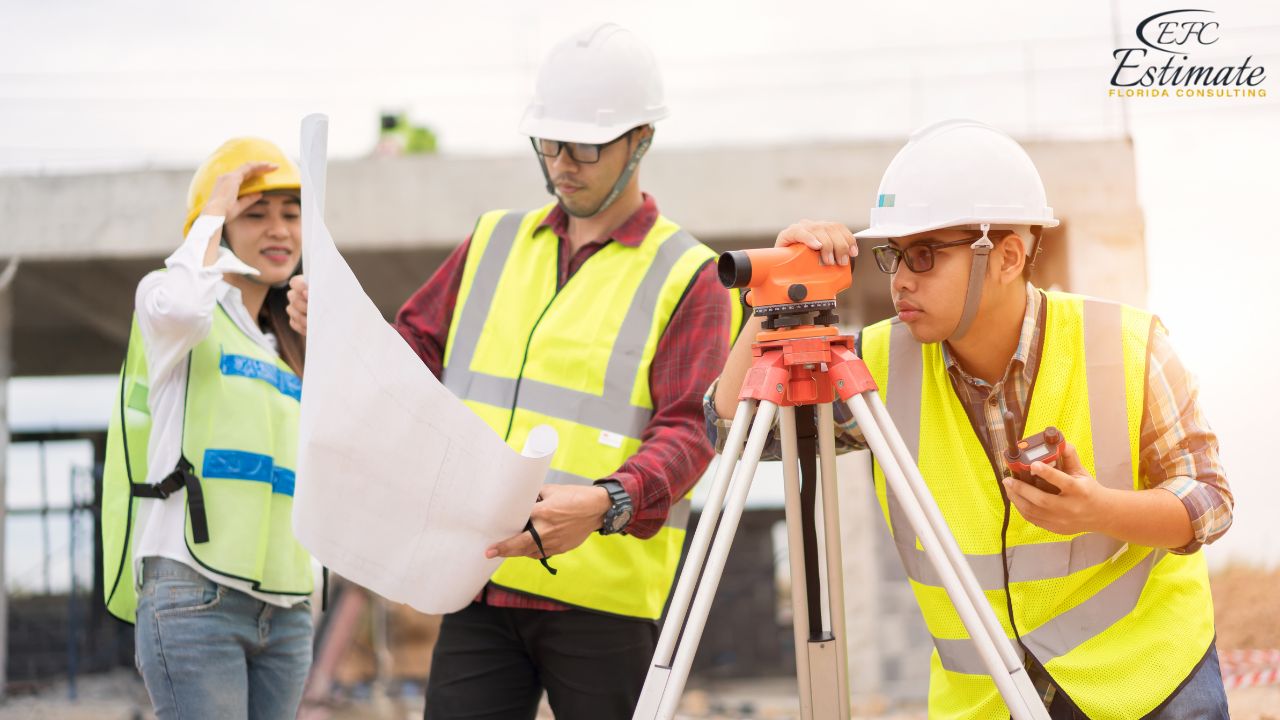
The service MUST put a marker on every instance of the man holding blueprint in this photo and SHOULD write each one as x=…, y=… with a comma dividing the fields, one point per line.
x=599, y=317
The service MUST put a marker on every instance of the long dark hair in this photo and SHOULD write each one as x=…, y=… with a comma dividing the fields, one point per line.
x=273, y=317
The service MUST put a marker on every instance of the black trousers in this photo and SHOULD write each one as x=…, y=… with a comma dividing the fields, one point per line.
x=493, y=663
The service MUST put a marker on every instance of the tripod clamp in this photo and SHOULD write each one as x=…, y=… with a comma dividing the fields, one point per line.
x=788, y=369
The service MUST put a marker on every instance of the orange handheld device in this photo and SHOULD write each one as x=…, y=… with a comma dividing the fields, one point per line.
x=1045, y=447
x=785, y=283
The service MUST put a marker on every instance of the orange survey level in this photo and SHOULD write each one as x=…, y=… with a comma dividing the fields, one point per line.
x=784, y=277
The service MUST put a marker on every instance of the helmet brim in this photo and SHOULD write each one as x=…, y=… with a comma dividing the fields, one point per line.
x=568, y=131
x=898, y=230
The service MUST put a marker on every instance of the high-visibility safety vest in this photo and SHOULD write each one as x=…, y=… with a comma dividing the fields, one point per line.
x=522, y=352
x=240, y=438
x=1119, y=627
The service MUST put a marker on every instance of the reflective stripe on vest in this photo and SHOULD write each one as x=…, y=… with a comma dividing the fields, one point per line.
x=239, y=465
x=587, y=378
x=613, y=411
x=1089, y=607
x=1104, y=370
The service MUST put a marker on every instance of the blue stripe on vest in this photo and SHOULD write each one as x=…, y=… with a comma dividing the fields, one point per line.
x=244, y=366
x=282, y=481
x=240, y=465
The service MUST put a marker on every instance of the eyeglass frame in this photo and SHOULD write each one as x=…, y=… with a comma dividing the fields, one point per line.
x=563, y=145
x=901, y=253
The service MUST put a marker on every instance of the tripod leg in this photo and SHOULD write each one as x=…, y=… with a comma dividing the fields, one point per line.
x=670, y=671
x=800, y=620
x=702, y=535
x=835, y=561
x=1021, y=681
x=1012, y=683
x=934, y=516
x=822, y=658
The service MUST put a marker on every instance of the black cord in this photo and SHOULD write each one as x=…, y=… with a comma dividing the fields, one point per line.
x=537, y=540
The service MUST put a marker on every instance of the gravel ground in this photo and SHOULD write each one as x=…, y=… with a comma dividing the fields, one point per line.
x=1244, y=600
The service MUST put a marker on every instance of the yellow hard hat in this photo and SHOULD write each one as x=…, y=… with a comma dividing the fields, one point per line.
x=231, y=155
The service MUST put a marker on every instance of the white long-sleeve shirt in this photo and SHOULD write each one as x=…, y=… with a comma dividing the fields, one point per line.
x=175, y=313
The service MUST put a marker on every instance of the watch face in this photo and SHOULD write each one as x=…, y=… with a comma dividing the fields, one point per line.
x=620, y=520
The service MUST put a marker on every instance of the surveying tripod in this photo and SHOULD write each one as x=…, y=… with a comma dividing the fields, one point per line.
x=798, y=367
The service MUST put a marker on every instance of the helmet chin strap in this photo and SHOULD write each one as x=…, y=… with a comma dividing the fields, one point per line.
x=977, y=273
x=618, y=186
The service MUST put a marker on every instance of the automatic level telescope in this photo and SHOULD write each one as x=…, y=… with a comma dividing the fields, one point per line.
x=786, y=284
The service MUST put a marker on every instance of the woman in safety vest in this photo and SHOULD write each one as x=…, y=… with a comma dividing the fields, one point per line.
x=198, y=544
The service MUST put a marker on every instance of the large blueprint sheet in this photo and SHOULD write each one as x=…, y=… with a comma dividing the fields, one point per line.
x=400, y=487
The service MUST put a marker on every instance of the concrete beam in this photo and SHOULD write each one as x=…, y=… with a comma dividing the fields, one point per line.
x=87, y=240
x=6, y=353
x=432, y=201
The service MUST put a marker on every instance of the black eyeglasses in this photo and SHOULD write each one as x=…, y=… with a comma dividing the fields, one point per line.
x=585, y=153
x=919, y=256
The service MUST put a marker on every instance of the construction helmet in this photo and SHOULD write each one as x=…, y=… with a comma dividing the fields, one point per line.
x=959, y=173
x=956, y=173
x=231, y=155
x=594, y=86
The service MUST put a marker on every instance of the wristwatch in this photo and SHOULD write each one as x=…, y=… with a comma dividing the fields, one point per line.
x=619, y=514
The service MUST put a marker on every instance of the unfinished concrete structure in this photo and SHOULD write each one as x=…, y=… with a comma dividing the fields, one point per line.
x=85, y=241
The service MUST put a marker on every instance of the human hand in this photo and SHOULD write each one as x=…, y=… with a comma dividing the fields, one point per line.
x=225, y=199
x=297, y=307
x=833, y=241
x=1080, y=506
x=565, y=517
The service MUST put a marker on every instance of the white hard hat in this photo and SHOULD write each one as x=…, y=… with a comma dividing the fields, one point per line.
x=594, y=86
x=955, y=173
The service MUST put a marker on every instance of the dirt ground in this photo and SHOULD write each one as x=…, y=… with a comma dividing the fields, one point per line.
x=1245, y=604
x=1246, y=607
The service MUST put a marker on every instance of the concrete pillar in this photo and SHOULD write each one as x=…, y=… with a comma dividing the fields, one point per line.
x=6, y=366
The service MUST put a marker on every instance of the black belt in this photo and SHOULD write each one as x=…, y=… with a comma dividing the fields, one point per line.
x=183, y=476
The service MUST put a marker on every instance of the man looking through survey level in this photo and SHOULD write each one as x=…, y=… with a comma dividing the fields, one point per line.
x=600, y=317
x=1096, y=574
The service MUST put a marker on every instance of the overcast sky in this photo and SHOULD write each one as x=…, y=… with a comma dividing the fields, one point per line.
x=91, y=85
x=125, y=83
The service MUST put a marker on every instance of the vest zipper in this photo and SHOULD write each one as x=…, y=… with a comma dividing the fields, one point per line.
x=515, y=398
x=1022, y=416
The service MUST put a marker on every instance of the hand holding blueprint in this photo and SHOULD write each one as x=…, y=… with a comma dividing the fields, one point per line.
x=400, y=486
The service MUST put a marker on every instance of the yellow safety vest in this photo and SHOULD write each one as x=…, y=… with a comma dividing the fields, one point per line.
x=522, y=352
x=240, y=435
x=1118, y=627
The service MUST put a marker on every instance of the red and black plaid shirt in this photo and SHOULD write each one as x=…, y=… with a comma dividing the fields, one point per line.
x=674, y=449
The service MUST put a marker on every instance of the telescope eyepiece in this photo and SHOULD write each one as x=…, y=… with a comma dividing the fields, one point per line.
x=734, y=268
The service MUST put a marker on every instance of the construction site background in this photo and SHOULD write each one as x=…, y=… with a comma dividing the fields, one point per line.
x=102, y=128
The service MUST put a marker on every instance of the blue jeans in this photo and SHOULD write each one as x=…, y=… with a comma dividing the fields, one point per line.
x=207, y=651
x=1203, y=697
